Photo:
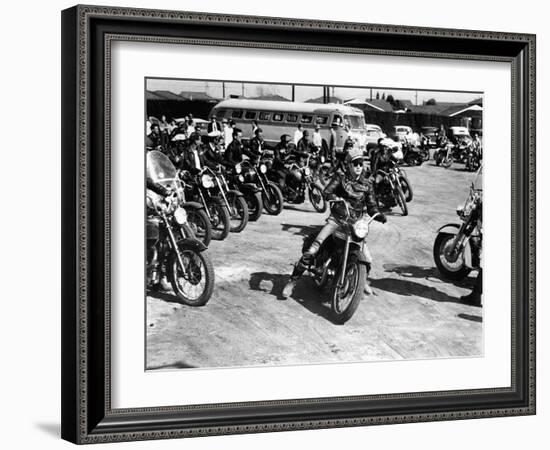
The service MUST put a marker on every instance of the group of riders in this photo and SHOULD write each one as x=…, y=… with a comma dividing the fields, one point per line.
x=348, y=177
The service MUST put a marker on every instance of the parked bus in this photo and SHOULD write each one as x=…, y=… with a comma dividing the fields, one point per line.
x=276, y=118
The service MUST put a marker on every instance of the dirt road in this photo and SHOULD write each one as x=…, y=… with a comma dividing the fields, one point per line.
x=413, y=313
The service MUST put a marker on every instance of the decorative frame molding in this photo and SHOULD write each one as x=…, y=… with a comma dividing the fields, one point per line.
x=88, y=32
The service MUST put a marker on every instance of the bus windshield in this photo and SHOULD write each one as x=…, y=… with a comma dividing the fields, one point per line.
x=356, y=122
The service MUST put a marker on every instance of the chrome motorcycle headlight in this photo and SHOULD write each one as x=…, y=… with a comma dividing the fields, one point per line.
x=263, y=168
x=180, y=215
x=307, y=171
x=238, y=168
x=322, y=159
x=361, y=228
x=207, y=181
x=241, y=178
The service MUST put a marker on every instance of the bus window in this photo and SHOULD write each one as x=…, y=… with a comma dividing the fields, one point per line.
x=292, y=117
x=278, y=117
x=237, y=114
x=220, y=113
x=355, y=121
x=337, y=120
x=265, y=116
x=321, y=120
x=306, y=118
x=250, y=115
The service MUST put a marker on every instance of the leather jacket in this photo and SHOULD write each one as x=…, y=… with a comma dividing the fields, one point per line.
x=358, y=192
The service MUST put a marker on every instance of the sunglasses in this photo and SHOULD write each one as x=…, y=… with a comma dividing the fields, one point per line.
x=357, y=163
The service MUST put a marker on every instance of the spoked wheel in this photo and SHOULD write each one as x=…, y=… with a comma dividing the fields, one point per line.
x=447, y=162
x=220, y=221
x=345, y=299
x=198, y=221
x=272, y=199
x=316, y=198
x=238, y=212
x=400, y=199
x=449, y=263
x=194, y=282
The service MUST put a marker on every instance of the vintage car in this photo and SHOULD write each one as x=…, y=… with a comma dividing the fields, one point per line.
x=459, y=135
x=374, y=133
x=430, y=134
x=404, y=133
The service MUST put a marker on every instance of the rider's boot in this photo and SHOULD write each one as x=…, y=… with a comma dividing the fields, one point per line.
x=367, y=289
x=300, y=267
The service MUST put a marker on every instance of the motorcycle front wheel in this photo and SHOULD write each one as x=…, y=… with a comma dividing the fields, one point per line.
x=407, y=189
x=400, y=199
x=220, y=220
x=272, y=199
x=198, y=221
x=345, y=299
x=447, y=162
x=316, y=199
x=193, y=284
x=450, y=267
x=238, y=212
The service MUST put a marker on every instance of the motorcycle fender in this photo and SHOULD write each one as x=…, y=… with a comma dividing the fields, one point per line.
x=192, y=205
x=450, y=228
x=235, y=192
x=192, y=244
x=250, y=187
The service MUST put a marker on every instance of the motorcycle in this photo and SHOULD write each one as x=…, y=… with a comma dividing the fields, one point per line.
x=340, y=263
x=256, y=172
x=444, y=156
x=393, y=189
x=233, y=200
x=473, y=159
x=252, y=194
x=197, y=219
x=457, y=248
x=202, y=189
x=300, y=179
x=412, y=155
x=172, y=249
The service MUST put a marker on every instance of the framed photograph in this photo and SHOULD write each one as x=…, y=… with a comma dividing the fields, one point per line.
x=280, y=224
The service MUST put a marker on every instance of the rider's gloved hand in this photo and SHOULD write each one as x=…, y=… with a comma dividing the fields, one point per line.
x=381, y=218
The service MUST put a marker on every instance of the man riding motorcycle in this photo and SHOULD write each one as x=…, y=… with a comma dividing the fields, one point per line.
x=353, y=186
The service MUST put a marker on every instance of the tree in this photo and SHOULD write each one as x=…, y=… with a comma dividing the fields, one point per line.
x=384, y=96
x=390, y=99
x=431, y=101
x=378, y=96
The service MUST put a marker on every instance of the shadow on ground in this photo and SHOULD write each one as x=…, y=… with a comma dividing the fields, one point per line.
x=176, y=365
x=408, y=288
x=305, y=293
x=424, y=272
x=165, y=296
x=301, y=230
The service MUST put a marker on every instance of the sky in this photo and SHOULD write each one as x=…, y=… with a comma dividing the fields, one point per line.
x=302, y=93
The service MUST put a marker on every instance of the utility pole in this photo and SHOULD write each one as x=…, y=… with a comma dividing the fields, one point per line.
x=371, y=93
x=242, y=87
x=293, y=92
x=416, y=98
x=223, y=89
